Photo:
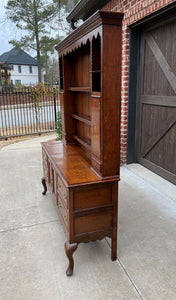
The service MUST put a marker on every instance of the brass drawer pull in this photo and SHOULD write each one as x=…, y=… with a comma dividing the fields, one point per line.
x=60, y=205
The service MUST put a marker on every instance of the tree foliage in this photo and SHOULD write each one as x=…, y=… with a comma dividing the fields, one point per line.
x=47, y=48
x=34, y=17
x=38, y=93
x=51, y=71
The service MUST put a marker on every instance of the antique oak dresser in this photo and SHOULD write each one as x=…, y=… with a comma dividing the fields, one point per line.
x=82, y=170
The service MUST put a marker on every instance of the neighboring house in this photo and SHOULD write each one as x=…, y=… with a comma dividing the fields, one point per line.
x=5, y=73
x=148, y=97
x=24, y=68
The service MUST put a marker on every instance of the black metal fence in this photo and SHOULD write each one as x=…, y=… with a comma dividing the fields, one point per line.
x=26, y=111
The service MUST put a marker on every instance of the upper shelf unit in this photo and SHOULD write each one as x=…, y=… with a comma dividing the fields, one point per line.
x=61, y=73
x=96, y=64
x=90, y=81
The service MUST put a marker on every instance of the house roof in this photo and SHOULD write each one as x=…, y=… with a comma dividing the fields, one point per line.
x=18, y=57
x=84, y=9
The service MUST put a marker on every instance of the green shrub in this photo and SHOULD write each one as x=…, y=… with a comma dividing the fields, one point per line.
x=59, y=126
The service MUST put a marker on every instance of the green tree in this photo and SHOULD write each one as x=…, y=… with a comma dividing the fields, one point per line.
x=51, y=71
x=33, y=16
x=47, y=51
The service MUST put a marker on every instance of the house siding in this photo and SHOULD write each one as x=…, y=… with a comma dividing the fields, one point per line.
x=134, y=10
x=25, y=76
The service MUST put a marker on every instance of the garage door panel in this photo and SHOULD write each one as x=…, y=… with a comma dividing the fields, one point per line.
x=168, y=101
x=154, y=80
x=157, y=140
x=155, y=122
x=163, y=34
x=164, y=150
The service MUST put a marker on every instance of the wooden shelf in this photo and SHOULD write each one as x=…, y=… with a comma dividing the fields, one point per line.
x=96, y=95
x=83, y=143
x=82, y=118
x=80, y=89
x=95, y=71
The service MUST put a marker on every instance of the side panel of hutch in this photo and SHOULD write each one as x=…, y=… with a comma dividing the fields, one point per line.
x=82, y=171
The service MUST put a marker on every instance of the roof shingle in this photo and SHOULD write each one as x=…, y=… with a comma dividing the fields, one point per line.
x=18, y=57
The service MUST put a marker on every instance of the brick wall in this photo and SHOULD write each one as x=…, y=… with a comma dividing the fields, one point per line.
x=134, y=10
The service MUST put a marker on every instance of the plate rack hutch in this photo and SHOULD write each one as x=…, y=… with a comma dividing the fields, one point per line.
x=82, y=170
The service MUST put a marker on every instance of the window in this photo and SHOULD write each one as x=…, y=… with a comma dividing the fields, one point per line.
x=12, y=67
x=17, y=81
x=19, y=69
x=30, y=69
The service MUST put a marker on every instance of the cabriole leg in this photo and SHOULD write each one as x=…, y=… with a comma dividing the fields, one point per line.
x=69, y=250
x=113, y=249
x=44, y=185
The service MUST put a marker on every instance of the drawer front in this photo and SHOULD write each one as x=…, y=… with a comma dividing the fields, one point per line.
x=45, y=164
x=53, y=179
x=93, y=222
x=62, y=190
x=93, y=197
x=44, y=156
x=55, y=182
x=63, y=211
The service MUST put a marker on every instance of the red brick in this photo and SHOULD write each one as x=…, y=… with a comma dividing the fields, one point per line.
x=124, y=74
x=134, y=11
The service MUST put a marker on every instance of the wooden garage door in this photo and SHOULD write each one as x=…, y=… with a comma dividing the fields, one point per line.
x=157, y=140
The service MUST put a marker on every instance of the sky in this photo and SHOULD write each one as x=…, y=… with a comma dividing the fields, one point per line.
x=8, y=30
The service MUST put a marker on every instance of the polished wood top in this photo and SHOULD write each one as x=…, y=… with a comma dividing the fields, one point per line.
x=70, y=161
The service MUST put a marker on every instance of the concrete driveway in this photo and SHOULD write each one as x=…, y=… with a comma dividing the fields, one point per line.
x=32, y=256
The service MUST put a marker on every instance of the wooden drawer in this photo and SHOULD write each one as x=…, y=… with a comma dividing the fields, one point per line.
x=52, y=178
x=44, y=156
x=93, y=196
x=62, y=190
x=45, y=171
x=54, y=186
x=62, y=210
x=93, y=222
x=45, y=164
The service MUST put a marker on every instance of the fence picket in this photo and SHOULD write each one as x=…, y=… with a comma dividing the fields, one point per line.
x=17, y=112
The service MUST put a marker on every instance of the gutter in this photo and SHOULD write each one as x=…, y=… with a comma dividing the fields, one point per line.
x=84, y=9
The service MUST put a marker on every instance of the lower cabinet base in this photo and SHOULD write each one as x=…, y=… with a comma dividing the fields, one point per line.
x=70, y=248
x=87, y=209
